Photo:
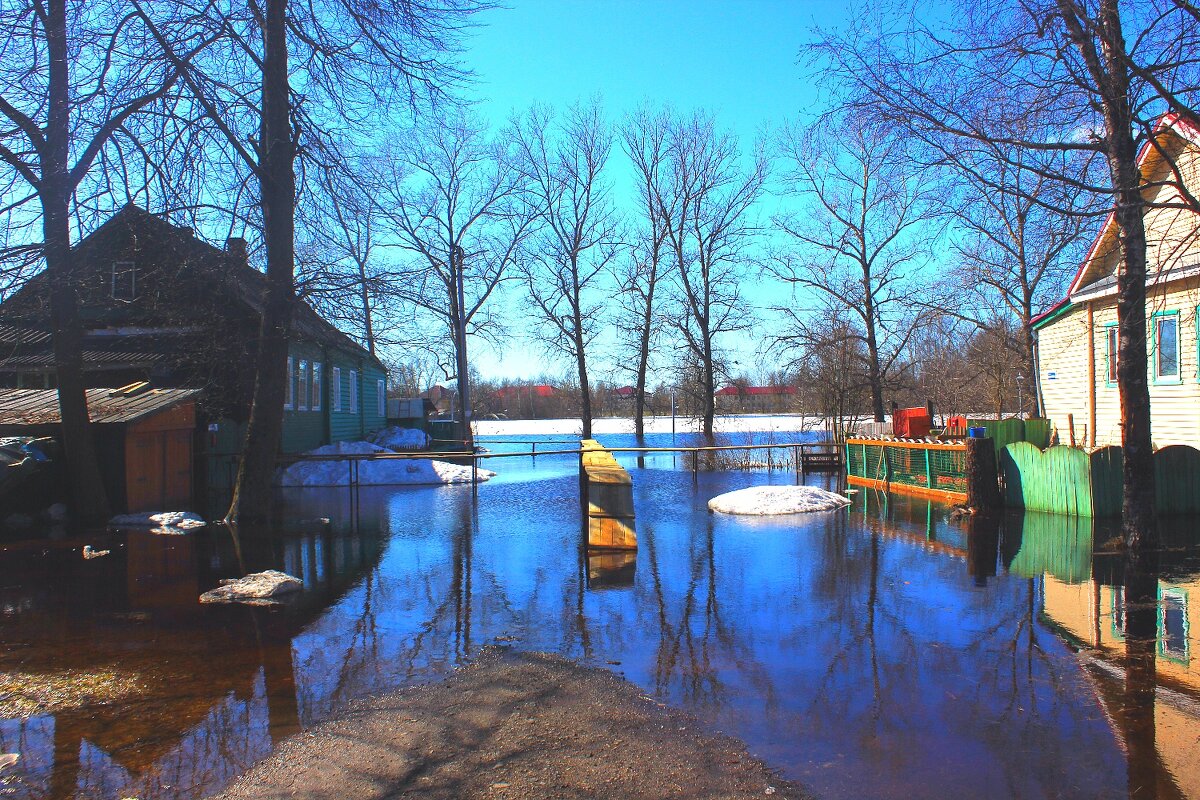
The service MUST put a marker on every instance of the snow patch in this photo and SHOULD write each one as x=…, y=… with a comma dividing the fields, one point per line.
x=770, y=500
x=396, y=438
x=384, y=472
x=172, y=522
x=257, y=588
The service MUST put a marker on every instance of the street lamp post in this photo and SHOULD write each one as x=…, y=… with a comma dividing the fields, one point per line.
x=1020, y=396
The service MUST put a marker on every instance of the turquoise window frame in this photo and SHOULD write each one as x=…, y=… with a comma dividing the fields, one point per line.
x=1118, y=613
x=1180, y=595
x=1110, y=326
x=1178, y=377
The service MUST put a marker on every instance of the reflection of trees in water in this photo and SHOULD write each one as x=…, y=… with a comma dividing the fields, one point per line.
x=695, y=645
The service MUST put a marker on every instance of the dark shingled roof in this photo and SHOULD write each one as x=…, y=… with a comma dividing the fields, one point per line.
x=40, y=406
x=245, y=284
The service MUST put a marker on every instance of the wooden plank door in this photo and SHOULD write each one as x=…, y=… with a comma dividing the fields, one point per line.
x=144, y=471
x=177, y=467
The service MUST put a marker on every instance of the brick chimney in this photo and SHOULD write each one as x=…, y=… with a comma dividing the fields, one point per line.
x=235, y=246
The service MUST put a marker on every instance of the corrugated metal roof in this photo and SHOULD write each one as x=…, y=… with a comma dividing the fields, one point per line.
x=40, y=406
x=91, y=359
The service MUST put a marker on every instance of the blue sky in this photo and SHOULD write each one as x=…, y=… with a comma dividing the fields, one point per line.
x=738, y=60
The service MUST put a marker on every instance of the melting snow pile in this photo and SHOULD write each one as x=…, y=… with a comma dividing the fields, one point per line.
x=159, y=522
x=395, y=438
x=769, y=500
x=385, y=472
x=257, y=588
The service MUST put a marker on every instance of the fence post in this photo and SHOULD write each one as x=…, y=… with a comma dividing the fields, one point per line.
x=983, y=486
x=929, y=470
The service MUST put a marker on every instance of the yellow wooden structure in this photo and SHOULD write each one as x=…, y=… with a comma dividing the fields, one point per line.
x=608, y=492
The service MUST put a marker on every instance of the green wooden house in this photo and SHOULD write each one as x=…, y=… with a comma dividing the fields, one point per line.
x=161, y=305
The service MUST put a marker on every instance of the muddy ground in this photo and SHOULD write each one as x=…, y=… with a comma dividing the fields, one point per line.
x=513, y=725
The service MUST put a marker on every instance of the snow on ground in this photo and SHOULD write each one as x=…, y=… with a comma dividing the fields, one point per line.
x=159, y=522
x=741, y=423
x=396, y=438
x=257, y=588
x=389, y=472
x=770, y=500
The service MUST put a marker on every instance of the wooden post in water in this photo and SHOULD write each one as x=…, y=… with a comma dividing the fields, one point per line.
x=983, y=486
x=608, y=497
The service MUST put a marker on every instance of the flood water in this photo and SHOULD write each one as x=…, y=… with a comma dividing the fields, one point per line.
x=883, y=651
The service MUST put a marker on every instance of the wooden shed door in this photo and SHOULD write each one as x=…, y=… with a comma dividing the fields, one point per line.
x=177, y=466
x=144, y=471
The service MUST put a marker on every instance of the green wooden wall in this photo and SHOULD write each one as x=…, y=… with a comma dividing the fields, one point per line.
x=307, y=429
x=1069, y=480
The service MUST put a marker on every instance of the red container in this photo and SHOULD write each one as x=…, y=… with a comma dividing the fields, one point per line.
x=911, y=423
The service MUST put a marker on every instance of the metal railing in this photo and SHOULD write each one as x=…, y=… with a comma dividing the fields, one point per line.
x=818, y=453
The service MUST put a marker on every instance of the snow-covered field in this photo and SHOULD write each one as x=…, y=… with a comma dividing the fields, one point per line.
x=742, y=423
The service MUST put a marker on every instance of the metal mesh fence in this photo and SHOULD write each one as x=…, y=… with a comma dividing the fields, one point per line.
x=936, y=467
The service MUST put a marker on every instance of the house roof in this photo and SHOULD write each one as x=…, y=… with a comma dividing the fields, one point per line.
x=40, y=406
x=1148, y=157
x=245, y=285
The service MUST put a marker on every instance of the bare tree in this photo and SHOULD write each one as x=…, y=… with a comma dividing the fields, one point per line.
x=72, y=79
x=340, y=259
x=704, y=202
x=450, y=197
x=355, y=58
x=645, y=136
x=578, y=237
x=826, y=360
x=1020, y=236
x=1104, y=76
x=861, y=240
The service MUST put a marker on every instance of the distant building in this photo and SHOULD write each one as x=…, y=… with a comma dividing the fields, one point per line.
x=160, y=305
x=743, y=399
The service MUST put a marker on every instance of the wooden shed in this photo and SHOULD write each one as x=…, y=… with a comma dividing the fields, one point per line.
x=144, y=439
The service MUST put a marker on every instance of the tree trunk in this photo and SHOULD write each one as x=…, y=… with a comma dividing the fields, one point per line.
x=585, y=392
x=639, y=422
x=365, y=299
x=710, y=389
x=90, y=504
x=252, y=496
x=1139, y=525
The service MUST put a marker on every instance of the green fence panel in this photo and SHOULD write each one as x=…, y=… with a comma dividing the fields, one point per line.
x=1177, y=480
x=1037, y=433
x=1001, y=431
x=1107, y=463
x=1057, y=480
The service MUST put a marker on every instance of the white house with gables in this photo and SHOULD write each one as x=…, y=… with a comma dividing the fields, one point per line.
x=1076, y=340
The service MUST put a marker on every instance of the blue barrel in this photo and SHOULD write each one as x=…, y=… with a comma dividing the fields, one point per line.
x=977, y=433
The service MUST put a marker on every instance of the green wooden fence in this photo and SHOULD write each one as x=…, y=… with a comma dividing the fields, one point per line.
x=1006, y=431
x=1069, y=480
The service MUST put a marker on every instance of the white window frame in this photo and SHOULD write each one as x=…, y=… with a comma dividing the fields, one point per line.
x=289, y=397
x=121, y=268
x=353, y=392
x=302, y=387
x=315, y=398
x=335, y=390
x=1157, y=320
x=381, y=397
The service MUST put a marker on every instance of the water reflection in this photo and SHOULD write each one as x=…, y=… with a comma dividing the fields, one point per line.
x=882, y=651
